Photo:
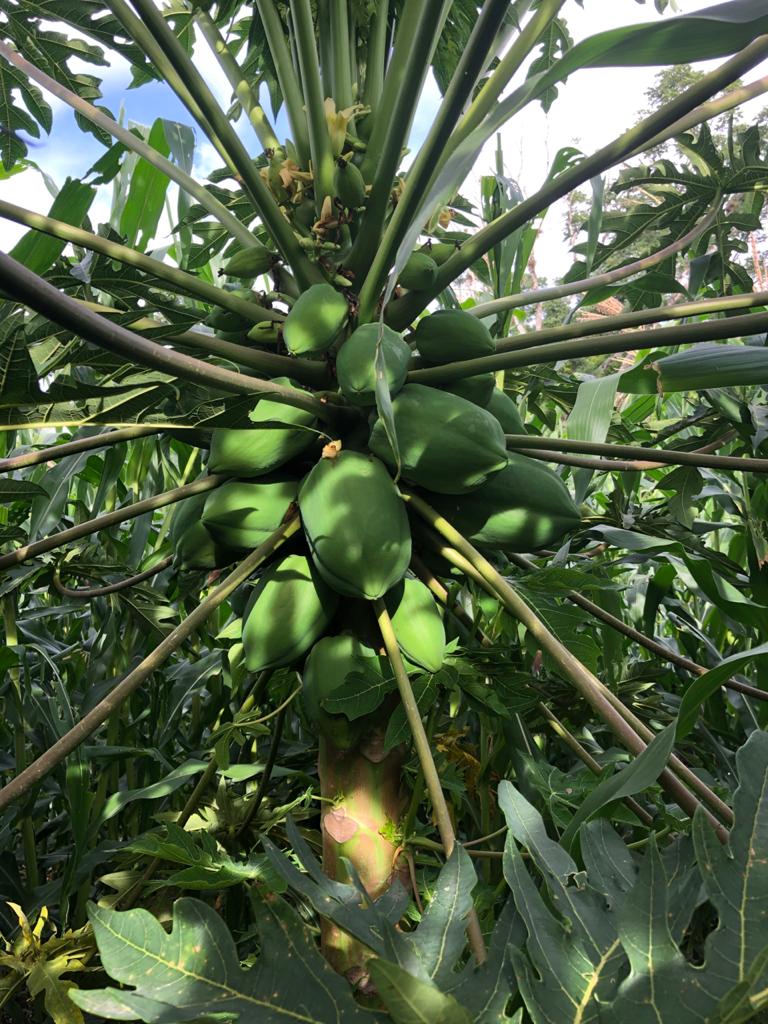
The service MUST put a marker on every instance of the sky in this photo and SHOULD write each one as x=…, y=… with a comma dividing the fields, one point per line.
x=593, y=107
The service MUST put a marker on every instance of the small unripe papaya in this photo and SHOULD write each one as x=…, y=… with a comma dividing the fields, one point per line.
x=504, y=409
x=290, y=608
x=477, y=390
x=193, y=545
x=440, y=252
x=446, y=443
x=417, y=624
x=243, y=514
x=349, y=184
x=250, y=262
x=418, y=273
x=279, y=433
x=356, y=362
x=356, y=525
x=524, y=507
x=315, y=320
x=228, y=321
x=450, y=335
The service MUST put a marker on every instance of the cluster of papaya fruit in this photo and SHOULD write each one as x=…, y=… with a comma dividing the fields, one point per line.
x=313, y=601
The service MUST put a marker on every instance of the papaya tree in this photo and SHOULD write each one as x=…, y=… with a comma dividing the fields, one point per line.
x=424, y=646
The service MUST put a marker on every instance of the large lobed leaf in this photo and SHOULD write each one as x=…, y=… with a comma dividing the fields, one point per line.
x=194, y=971
x=606, y=944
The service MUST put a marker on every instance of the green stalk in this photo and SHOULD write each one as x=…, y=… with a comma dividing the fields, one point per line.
x=306, y=371
x=103, y=522
x=133, y=143
x=568, y=738
x=586, y=758
x=339, y=36
x=418, y=31
x=88, y=593
x=406, y=309
x=178, y=280
x=319, y=139
x=287, y=78
x=659, y=455
x=81, y=444
x=638, y=318
x=36, y=293
x=246, y=95
x=685, y=334
x=377, y=56
x=417, y=794
x=630, y=719
x=509, y=65
x=610, y=277
x=262, y=199
x=705, y=112
x=266, y=777
x=465, y=77
x=584, y=682
x=138, y=31
x=426, y=761
x=27, y=825
x=87, y=725
x=649, y=643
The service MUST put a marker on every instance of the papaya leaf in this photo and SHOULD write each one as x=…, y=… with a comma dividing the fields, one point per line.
x=413, y=1001
x=359, y=694
x=194, y=971
x=342, y=903
x=486, y=990
x=736, y=878
x=440, y=937
x=564, y=970
x=204, y=864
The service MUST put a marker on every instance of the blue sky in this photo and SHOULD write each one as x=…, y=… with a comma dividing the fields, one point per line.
x=614, y=95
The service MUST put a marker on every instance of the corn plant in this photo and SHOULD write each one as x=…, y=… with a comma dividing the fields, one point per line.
x=345, y=623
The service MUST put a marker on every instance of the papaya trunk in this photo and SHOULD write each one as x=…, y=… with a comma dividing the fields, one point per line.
x=363, y=802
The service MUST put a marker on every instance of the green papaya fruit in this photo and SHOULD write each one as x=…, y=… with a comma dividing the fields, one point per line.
x=356, y=525
x=193, y=545
x=356, y=362
x=446, y=443
x=279, y=434
x=440, y=252
x=524, y=507
x=264, y=333
x=304, y=215
x=504, y=409
x=349, y=184
x=250, y=262
x=290, y=608
x=451, y=335
x=418, y=273
x=477, y=390
x=315, y=320
x=417, y=623
x=326, y=669
x=226, y=320
x=243, y=513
